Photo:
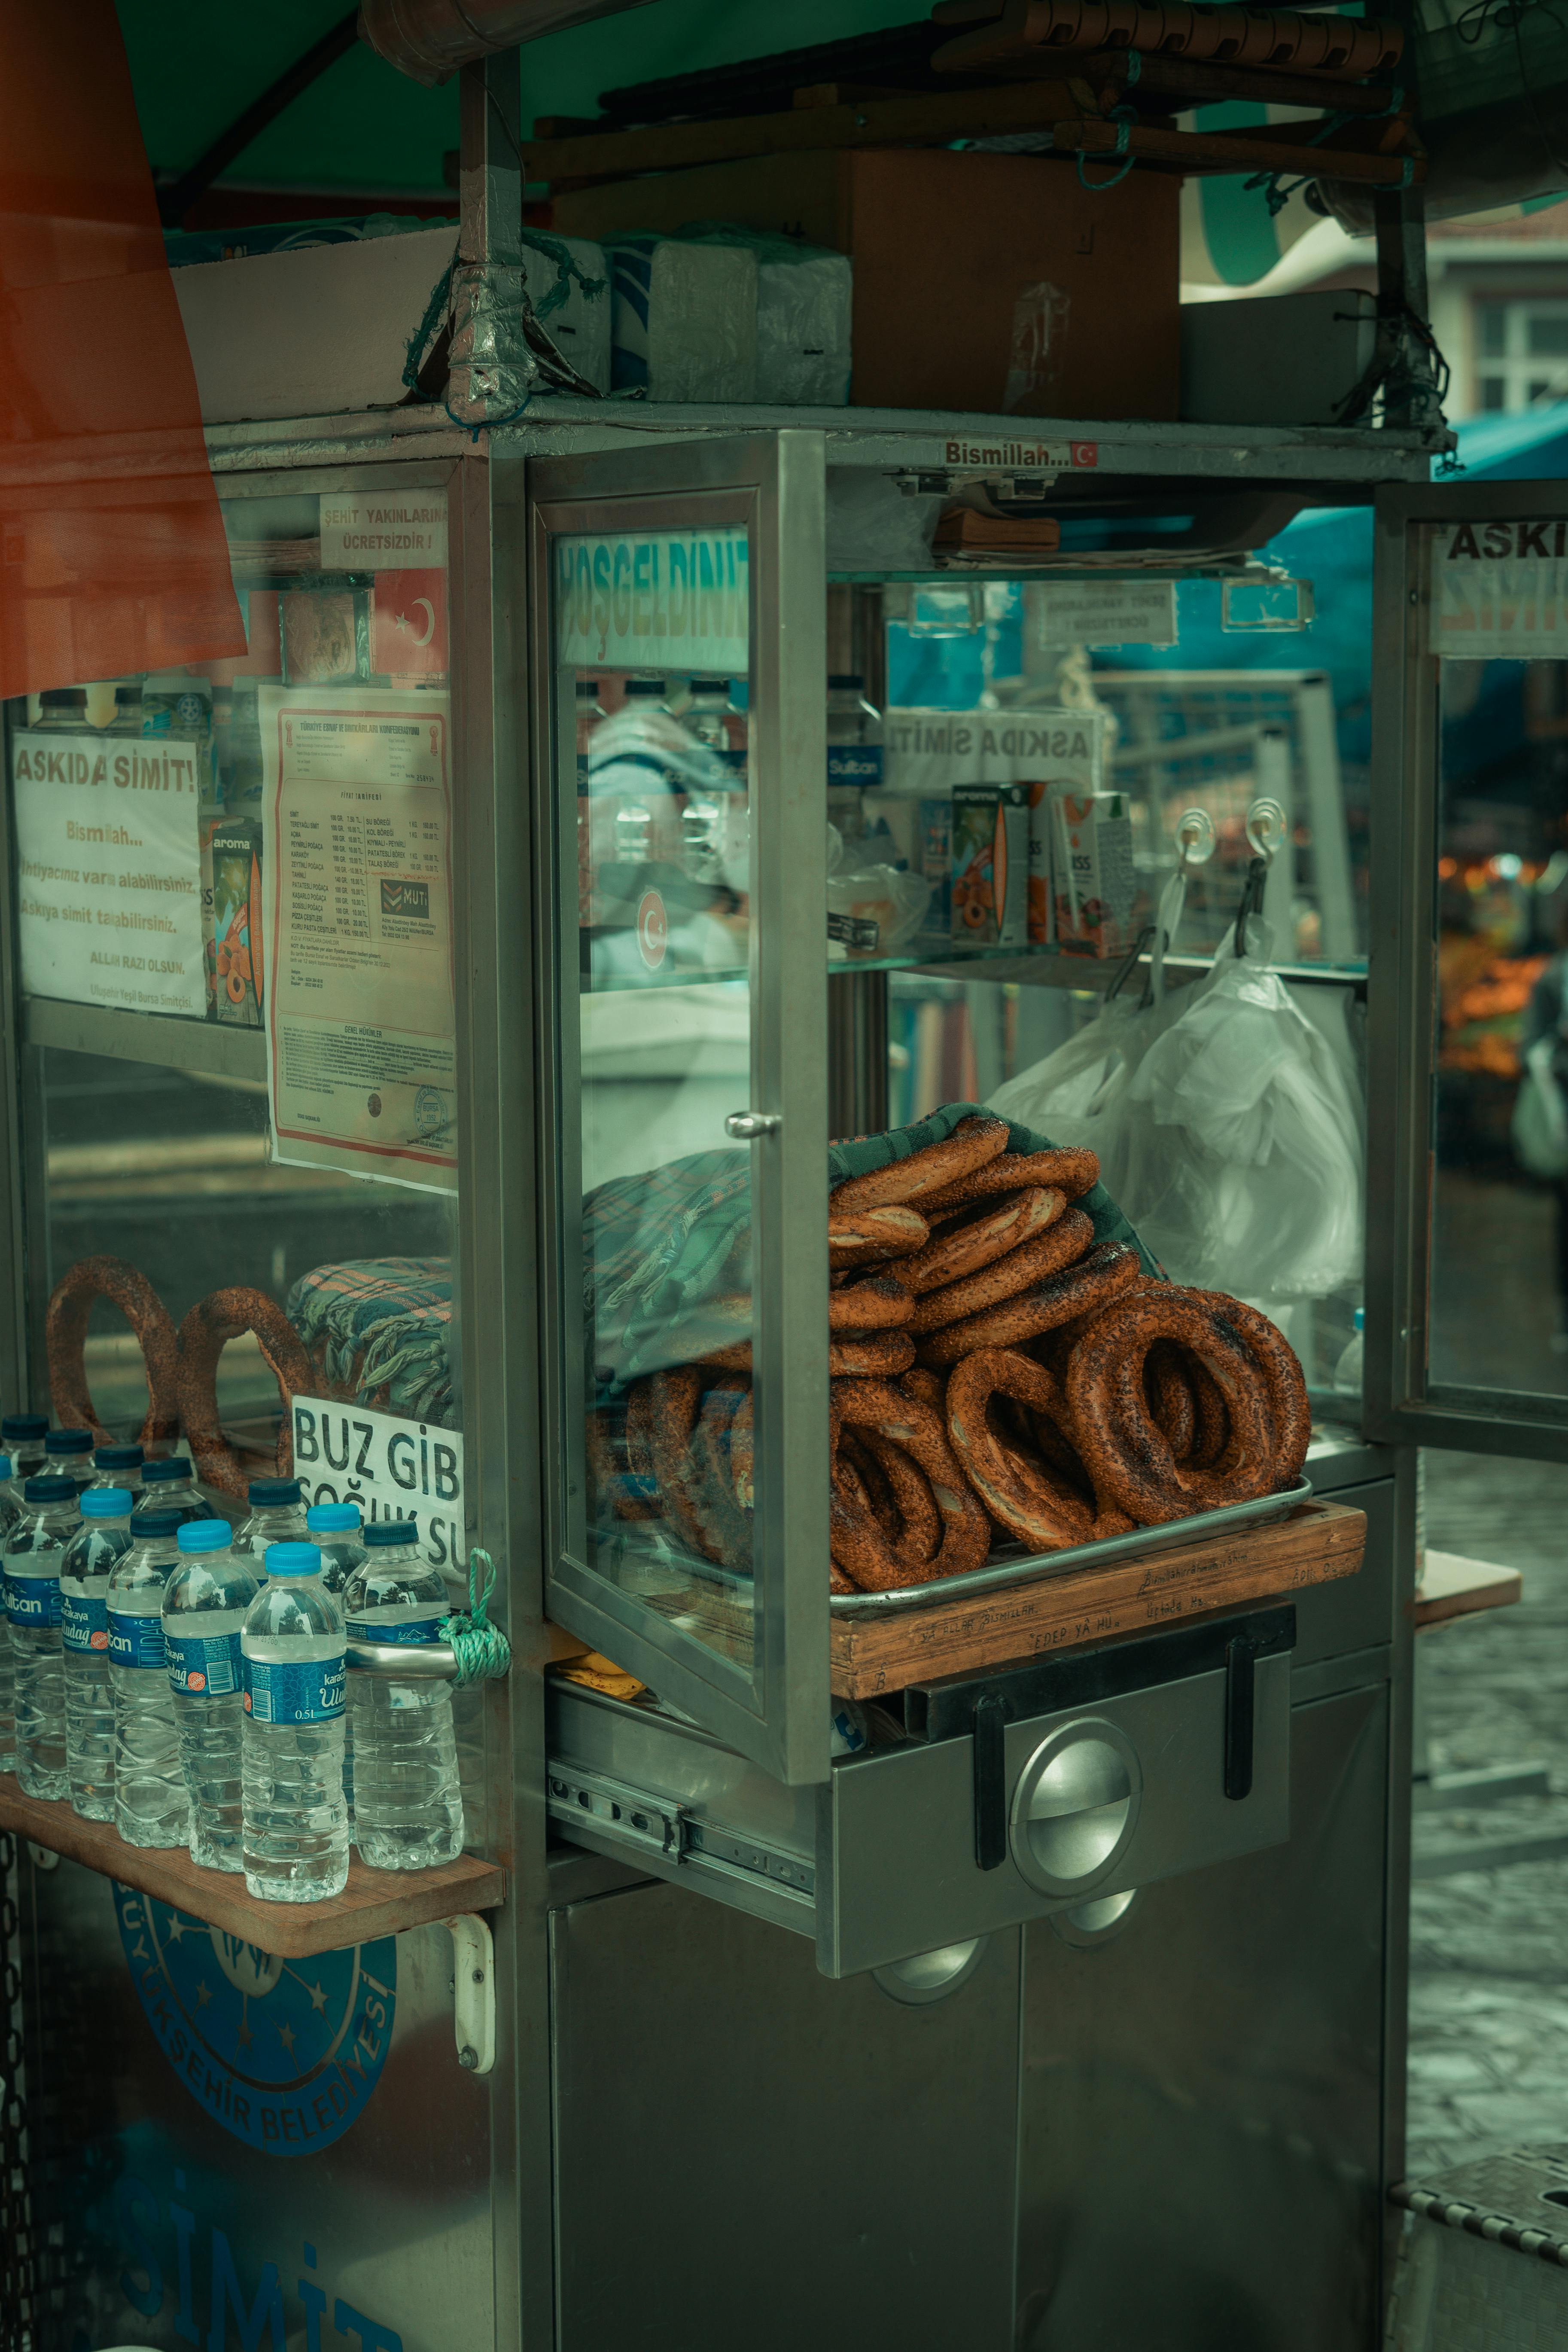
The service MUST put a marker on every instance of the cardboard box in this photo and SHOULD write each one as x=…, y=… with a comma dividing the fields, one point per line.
x=992, y=284
x=991, y=866
x=1066, y=749
x=1096, y=880
x=232, y=851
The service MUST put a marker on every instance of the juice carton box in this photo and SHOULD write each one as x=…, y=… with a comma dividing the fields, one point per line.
x=1066, y=751
x=1096, y=883
x=990, y=865
x=233, y=972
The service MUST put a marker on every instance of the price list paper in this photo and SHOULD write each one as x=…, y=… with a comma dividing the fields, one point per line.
x=361, y=1052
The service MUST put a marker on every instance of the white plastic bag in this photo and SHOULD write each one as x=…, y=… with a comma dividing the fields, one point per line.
x=1539, y=1131
x=1244, y=1166
x=1078, y=1094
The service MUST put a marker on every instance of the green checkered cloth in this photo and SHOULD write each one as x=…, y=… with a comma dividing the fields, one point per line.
x=382, y=1327
x=658, y=1246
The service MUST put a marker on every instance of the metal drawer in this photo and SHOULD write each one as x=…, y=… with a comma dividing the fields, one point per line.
x=1119, y=1782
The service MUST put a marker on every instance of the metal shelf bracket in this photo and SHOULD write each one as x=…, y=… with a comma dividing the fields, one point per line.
x=473, y=1992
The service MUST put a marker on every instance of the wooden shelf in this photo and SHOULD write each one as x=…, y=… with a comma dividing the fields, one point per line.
x=374, y=1903
x=1452, y=1586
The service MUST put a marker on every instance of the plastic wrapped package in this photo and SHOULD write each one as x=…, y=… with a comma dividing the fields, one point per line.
x=568, y=286
x=873, y=526
x=1243, y=1165
x=684, y=319
x=805, y=297
x=874, y=910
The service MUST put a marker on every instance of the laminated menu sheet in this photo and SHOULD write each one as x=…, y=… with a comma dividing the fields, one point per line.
x=360, y=1043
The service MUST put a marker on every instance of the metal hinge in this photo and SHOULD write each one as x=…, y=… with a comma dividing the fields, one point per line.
x=652, y=1825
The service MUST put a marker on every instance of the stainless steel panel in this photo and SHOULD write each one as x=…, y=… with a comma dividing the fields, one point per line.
x=1202, y=2097
x=896, y=1867
x=1353, y=1613
x=208, y=1046
x=886, y=1848
x=170, y=2230
x=748, y=2156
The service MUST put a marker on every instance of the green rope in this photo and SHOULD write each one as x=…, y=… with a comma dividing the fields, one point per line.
x=566, y=271
x=482, y=1651
x=413, y=357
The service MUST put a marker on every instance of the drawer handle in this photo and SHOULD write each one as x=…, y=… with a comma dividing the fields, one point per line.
x=1240, y=1710
x=990, y=1783
x=751, y=1126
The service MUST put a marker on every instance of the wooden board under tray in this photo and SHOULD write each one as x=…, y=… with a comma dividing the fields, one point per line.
x=871, y=1655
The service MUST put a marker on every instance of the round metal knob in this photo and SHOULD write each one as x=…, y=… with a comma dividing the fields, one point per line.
x=748, y=1126
x=1076, y=1807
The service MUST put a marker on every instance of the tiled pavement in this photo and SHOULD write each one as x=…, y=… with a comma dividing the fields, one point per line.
x=1489, y=1960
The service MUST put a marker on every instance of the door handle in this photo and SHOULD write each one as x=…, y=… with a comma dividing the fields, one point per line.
x=1240, y=1675
x=751, y=1126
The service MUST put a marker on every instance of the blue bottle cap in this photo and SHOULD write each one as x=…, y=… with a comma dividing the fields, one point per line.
x=263, y=1492
x=117, y=1457
x=293, y=1559
x=68, y=1441
x=5, y=1465
x=332, y=1519
x=23, y=1426
x=106, y=1502
x=54, y=1489
x=172, y=1466
x=204, y=1535
x=145, y=1523
x=391, y=1531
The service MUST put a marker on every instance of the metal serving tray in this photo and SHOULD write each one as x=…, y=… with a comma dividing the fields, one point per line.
x=1026, y=1570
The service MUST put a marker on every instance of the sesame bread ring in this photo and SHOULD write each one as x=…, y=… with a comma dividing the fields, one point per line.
x=1060, y=1245
x=674, y=1397
x=1072, y=1169
x=879, y=1302
x=65, y=1338
x=880, y=1355
x=872, y=1237
x=206, y=1330
x=972, y=1143
x=962, y=1248
x=1125, y=1452
x=1030, y=1500
x=1169, y=1395
x=858, y=1545
x=1111, y=1267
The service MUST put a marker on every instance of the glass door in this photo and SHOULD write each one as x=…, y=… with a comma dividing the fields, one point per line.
x=678, y=617
x=1467, y=1224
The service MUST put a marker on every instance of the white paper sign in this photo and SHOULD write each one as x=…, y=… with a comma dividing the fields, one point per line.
x=109, y=887
x=383, y=530
x=674, y=599
x=360, y=1031
x=1500, y=591
x=930, y=751
x=393, y=1469
x=1103, y=611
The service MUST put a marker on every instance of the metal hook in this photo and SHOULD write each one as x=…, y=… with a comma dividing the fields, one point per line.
x=1266, y=829
x=1196, y=842
x=1194, y=837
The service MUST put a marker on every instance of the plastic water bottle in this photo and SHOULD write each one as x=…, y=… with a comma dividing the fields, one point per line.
x=276, y=1515
x=68, y=1453
x=408, y=1812
x=1348, y=1369
x=334, y=1530
x=169, y=1483
x=92, y=1555
x=205, y=1603
x=10, y=1499
x=33, y=1553
x=296, y=1842
x=119, y=1467
x=22, y=1434
x=150, y=1807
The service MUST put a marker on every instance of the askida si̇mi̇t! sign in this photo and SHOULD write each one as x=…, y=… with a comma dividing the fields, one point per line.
x=676, y=600
x=109, y=882
x=1500, y=591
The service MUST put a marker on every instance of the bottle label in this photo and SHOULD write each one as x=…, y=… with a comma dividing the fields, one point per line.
x=853, y=763
x=204, y=1665
x=409, y=1634
x=136, y=1641
x=84, y=1623
x=33, y=1599
x=303, y=1690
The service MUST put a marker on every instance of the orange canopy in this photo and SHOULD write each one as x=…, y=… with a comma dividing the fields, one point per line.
x=113, y=556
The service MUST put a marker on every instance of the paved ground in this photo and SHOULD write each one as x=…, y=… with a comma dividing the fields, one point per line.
x=1489, y=1979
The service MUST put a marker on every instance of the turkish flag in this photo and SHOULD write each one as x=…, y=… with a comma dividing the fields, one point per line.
x=112, y=555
